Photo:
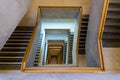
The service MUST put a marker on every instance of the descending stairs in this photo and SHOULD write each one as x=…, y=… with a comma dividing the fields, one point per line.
x=70, y=60
x=111, y=36
x=65, y=53
x=83, y=33
x=43, y=62
x=38, y=51
x=13, y=51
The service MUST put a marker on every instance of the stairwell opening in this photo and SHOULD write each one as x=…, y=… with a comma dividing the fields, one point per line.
x=58, y=23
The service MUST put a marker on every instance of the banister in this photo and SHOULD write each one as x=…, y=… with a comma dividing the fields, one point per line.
x=100, y=33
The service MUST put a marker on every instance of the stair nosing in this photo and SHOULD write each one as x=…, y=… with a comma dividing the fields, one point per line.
x=10, y=63
x=10, y=57
x=14, y=47
x=2, y=52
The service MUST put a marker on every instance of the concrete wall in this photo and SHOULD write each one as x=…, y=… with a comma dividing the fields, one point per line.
x=30, y=18
x=33, y=50
x=92, y=52
x=75, y=39
x=56, y=37
x=58, y=24
x=11, y=12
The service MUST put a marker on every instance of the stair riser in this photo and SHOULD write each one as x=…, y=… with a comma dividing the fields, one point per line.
x=10, y=59
x=18, y=41
x=10, y=67
x=15, y=50
x=12, y=45
x=11, y=54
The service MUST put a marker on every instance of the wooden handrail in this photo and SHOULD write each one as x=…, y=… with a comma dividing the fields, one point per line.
x=23, y=65
x=100, y=34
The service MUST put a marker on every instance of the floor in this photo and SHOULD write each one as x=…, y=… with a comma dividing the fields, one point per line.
x=112, y=65
x=112, y=58
x=82, y=60
x=62, y=76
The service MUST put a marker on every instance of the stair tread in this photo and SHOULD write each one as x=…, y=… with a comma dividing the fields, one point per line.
x=20, y=36
x=18, y=40
x=19, y=31
x=9, y=57
x=114, y=9
x=85, y=16
x=115, y=1
x=84, y=21
x=111, y=23
x=10, y=63
x=16, y=43
x=83, y=44
x=111, y=37
x=14, y=47
x=81, y=48
x=27, y=27
x=83, y=26
x=81, y=41
x=11, y=52
x=112, y=31
x=113, y=16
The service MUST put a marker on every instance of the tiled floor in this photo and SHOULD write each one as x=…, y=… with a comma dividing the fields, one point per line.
x=112, y=65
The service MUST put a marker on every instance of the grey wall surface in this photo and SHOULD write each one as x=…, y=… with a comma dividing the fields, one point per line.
x=11, y=12
x=92, y=33
x=75, y=39
x=56, y=36
x=33, y=50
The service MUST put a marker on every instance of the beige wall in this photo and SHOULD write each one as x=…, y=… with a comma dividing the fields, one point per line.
x=11, y=12
x=30, y=18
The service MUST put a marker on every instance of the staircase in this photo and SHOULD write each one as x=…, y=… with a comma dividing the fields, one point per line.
x=111, y=36
x=83, y=33
x=13, y=51
x=70, y=60
x=43, y=62
x=38, y=50
x=65, y=53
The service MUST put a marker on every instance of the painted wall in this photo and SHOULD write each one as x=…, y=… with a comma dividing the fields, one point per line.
x=75, y=39
x=58, y=24
x=30, y=18
x=11, y=12
x=92, y=52
x=33, y=50
x=56, y=37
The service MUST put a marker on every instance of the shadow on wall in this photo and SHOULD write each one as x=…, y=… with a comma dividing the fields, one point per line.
x=8, y=22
